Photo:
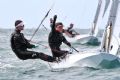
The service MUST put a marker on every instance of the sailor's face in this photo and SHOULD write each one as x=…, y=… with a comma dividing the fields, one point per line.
x=20, y=27
x=59, y=28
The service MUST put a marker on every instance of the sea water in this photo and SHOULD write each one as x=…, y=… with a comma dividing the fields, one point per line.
x=12, y=68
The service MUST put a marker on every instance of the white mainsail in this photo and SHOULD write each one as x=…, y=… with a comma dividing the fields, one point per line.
x=102, y=13
x=90, y=38
x=94, y=29
x=106, y=7
x=115, y=36
x=110, y=43
x=107, y=2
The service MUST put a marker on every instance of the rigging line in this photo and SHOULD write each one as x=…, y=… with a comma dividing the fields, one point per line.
x=74, y=49
x=44, y=27
x=42, y=45
x=42, y=21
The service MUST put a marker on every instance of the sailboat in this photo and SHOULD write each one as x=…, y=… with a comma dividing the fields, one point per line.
x=113, y=43
x=89, y=38
x=106, y=57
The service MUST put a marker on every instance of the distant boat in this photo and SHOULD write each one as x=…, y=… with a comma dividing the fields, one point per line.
x=107, y=56
x=89, y=38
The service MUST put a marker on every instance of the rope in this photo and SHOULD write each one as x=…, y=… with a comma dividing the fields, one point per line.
x=42, y=22
x=74, y=49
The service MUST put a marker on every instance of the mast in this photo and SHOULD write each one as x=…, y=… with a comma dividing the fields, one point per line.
x=96, y=17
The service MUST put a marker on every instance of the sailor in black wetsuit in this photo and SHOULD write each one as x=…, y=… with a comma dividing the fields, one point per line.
x=56, y=38
x=71, y=31
x=19, y=45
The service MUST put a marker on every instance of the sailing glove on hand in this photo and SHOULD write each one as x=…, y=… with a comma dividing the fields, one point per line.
x=55, y=17
x=69, y=44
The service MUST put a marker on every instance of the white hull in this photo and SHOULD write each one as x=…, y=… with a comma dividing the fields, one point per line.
x=83, y=39
x=95, y=60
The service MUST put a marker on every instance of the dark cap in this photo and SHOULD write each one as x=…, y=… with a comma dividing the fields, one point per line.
x=18, y=22
x=58, y=23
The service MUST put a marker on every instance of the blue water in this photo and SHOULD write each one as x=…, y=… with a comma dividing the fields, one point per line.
x=11, y=68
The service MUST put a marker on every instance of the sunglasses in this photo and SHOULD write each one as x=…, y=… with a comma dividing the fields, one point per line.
x=22, y=26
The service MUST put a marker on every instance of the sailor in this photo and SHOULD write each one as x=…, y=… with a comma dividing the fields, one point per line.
x=70, y=31
x=20, y=44
x=56, y=38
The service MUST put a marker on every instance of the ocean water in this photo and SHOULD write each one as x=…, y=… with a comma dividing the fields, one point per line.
x=11, y=68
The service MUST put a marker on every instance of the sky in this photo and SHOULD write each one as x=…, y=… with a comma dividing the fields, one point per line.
x=79, y=12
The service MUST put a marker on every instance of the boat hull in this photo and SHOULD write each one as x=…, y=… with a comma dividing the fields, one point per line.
x=95, y=60
x=84, y=39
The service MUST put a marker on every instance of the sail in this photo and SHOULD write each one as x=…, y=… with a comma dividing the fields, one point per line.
x=106, y=32
x=106, y=39
x=94, y=30
x=109, y=35
x=104, y=19
x=107, y=2
x=104, y=7
x=110, y=40
x=115, y=43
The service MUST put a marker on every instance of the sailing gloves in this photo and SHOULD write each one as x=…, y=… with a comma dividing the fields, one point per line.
x=68, y=44
x=55, y=17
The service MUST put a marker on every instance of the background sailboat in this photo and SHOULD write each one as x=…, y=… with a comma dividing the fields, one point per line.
x=90, y=38
x=94, y=30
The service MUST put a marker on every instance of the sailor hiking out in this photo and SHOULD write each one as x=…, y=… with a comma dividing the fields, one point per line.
x=20, y=44
x=56, y=38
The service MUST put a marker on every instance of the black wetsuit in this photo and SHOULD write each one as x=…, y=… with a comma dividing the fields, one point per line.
x=19, y=46
x=72, y=32
x=55, y=40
